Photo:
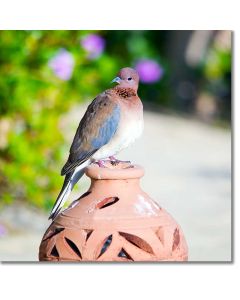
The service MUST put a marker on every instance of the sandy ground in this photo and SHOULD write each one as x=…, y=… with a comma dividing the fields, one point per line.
x=188, y=172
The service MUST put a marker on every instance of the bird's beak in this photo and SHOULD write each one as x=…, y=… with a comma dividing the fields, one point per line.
x=117, y=79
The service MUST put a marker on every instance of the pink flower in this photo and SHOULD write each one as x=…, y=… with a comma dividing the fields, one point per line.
x=3, y=230
x=94, y=44
x=149, y=71
x=62, y=64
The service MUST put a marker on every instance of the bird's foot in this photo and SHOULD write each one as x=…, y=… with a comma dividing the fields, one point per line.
x=100, y=163
x=114, y=161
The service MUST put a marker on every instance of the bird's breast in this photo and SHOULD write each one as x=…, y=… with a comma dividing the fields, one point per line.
x=129, y=129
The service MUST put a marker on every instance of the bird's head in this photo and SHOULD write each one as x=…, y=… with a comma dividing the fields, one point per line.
x=127, y=78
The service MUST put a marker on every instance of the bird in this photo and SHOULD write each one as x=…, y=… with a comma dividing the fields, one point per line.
x=112, y=121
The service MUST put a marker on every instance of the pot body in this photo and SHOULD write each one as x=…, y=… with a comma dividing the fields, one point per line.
x=114, y=221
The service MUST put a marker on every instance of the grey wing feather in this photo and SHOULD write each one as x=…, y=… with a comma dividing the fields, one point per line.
x=103, y=114
x=70, y=166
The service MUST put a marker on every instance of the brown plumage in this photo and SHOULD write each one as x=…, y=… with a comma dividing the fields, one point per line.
x=112, y=121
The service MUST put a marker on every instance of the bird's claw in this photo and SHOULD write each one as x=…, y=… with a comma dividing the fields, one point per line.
x=100, y=163
x=114, y=161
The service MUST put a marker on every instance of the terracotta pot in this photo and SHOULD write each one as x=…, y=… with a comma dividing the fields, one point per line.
x=114, y=221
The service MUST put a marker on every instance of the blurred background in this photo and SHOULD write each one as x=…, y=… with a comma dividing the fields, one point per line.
x=47, y=79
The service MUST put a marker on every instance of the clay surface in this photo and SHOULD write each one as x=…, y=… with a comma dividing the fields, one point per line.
x=114, y=221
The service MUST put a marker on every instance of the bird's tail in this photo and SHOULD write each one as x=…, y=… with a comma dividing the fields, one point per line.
x=70, y=180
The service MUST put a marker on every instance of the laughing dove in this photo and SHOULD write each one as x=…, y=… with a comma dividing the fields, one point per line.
x=111, y=123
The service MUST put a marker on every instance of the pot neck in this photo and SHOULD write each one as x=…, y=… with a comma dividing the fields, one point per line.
x=117, y=184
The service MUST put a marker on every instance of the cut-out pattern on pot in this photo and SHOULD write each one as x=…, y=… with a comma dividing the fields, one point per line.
x=108, y=224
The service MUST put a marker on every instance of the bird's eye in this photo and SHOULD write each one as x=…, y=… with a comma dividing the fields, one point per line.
x=129, y=78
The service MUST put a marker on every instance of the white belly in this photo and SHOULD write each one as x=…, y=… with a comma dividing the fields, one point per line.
x=124, y=136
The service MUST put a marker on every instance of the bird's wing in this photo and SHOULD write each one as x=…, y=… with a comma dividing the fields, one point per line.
x=95, y=130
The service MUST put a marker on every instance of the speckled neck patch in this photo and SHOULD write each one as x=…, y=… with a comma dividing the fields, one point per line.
x=125, y=92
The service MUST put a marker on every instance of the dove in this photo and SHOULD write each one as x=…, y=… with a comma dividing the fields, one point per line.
x=112, y=122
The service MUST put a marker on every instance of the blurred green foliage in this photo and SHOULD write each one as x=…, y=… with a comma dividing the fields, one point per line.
x=33, y=99
x=32, y=102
